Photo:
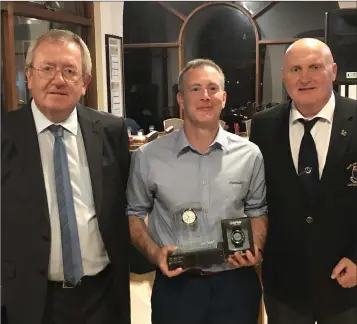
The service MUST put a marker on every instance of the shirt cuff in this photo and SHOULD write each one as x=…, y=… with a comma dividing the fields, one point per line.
x=263, y=211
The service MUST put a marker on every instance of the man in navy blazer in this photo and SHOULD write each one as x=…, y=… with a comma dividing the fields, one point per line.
x=309, y=268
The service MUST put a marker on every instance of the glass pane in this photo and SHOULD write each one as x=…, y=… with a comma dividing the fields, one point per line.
x=76, y=7
x=292, y=18
x=149, y=22
x=26, y=30
x=150, y=78
x=273, y=90
x=185, y=7
x=172, y=75
x=253, y=6
x=225, y=35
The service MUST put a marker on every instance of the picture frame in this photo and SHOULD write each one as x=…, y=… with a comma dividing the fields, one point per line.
x=115, y=74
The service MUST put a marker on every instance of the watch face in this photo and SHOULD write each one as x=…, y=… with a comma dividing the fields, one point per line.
x=189, y=217
x=237, y=237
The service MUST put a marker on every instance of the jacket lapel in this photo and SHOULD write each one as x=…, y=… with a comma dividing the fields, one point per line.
x=283, y=160
x=282, y=139
x=342, y=128
x=26, y=144
x=92, y=133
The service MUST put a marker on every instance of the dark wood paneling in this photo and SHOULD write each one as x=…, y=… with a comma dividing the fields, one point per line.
x=4, y=5
x=8, y=52
x=151, y=45
x=172, y=10
x=278, y=42
x=264, y=10
x=27, y=9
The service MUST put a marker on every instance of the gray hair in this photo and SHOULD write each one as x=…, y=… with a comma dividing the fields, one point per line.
x=61, y=36
x=196, y=64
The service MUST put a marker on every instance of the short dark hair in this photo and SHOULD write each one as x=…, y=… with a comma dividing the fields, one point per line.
x=195, y=64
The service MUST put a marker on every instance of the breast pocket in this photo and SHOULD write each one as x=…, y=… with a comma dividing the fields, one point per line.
x=238, y=190
x=231, y=190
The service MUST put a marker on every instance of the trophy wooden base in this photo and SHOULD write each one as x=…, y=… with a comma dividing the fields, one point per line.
x=200, y=258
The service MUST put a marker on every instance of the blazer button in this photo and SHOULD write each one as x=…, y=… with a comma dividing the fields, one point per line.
x=309, y=220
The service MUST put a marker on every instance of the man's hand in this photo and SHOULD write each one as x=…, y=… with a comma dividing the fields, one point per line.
x=161, y=261
x=345, y=273
x=249, y=260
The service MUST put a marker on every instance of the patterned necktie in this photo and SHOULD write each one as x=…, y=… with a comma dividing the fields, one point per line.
x=71, y=251
x=308, y=166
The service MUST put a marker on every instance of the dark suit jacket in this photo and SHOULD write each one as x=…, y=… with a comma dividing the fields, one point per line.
x=25, y=225
x=300, y=256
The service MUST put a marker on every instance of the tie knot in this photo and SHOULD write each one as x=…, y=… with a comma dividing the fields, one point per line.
x=308, y=124
x=56, y=130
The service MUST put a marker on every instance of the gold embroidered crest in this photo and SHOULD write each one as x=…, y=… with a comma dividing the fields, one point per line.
x=353, y=178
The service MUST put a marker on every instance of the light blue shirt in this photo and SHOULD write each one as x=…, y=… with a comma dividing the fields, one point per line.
x=228, y=181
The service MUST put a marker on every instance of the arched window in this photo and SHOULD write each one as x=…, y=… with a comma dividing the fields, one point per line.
x=165, y=35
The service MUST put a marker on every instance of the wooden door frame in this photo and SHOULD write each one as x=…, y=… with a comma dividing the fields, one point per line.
x=8, y=56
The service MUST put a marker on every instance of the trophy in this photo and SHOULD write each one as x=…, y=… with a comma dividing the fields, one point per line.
x=237, y=235
x=193, y=237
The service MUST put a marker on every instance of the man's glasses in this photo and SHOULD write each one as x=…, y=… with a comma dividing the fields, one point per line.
x=49, y=73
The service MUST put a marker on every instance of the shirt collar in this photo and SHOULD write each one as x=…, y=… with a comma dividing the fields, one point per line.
x=42, y=123
x=182, y=143
x=325, y=113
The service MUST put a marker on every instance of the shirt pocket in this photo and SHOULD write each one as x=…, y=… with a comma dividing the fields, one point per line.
x=238, y=190
x=231, y=190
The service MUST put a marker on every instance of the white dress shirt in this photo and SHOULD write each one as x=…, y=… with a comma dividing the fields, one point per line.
x=94, y=256
x=321, y=132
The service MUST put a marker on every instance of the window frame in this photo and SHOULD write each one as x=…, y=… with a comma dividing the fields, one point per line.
x=184, y=20
x=34, y=10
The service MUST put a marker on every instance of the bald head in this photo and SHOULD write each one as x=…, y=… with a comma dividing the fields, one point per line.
x=305, y=45
x=308, y=73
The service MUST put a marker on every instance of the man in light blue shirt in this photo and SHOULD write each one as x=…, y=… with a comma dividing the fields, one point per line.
x=221, y=171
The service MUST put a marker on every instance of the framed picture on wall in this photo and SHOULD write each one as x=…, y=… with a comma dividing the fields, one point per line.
x=115, y=74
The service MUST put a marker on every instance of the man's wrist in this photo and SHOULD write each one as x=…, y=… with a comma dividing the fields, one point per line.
x=155, y=256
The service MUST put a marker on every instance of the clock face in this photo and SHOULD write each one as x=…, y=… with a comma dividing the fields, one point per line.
x=188, y=217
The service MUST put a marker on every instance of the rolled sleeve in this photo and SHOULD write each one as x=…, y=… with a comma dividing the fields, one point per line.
x=256, y=204
x=139, y=197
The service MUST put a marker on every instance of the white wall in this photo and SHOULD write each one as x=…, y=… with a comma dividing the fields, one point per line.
x=347, y=4
x=108, y=19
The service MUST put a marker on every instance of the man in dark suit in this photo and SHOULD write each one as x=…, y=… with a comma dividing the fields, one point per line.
x=309, y=145
x=64, y=234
